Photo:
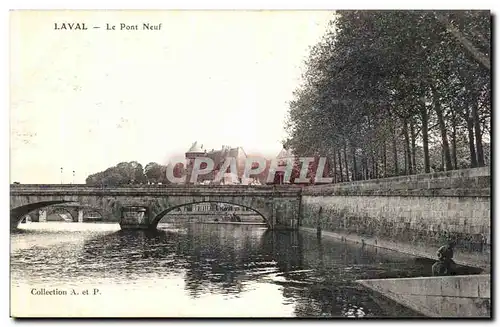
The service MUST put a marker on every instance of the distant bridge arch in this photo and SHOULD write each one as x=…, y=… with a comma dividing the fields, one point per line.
x=92, y=211
x=60, y=211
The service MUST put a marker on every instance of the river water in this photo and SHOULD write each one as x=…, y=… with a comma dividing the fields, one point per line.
x=197, y=270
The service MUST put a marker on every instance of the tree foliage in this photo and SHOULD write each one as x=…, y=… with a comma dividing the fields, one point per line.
x=153, y=172
x=123, y=173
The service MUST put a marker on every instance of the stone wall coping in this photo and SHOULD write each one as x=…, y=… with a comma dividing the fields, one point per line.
x=465, y=182
x=483, y=192
x=159, y=187
x=469, y=172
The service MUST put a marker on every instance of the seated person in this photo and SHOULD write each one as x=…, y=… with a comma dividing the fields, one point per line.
x=445, y=266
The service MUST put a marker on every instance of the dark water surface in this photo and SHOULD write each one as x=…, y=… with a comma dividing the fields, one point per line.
x=198, y=270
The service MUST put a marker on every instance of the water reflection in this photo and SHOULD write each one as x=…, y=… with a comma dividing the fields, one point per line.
x=315, y=277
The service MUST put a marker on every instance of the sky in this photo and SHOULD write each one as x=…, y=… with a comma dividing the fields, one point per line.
x=85, y=100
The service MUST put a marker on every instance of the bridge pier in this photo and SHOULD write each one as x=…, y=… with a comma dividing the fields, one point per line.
x=34, y=216
x=134, y=218
x=80, y=215
x=42, y=216
x=285, y=214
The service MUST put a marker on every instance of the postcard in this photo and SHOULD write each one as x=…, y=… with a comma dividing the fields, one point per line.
x=250, y=163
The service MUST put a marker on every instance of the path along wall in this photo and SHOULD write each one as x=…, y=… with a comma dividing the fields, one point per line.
x=412, y=214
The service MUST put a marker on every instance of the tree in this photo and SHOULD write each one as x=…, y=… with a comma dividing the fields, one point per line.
x=384, y=88
x=122, y=174
x=153, y=172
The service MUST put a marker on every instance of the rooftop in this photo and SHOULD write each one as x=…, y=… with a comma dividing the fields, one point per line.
x=195, y=148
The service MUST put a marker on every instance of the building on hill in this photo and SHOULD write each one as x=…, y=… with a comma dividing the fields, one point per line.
x=218, y=157
x=195, y=151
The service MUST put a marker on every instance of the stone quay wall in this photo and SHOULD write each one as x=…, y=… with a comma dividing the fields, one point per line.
x=412, y=214
x=444, y=296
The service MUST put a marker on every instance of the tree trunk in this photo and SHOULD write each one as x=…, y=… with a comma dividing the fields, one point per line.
x=477, y=132
x=472, y=147
x=444, y=134
x=334, y=167
x=374, y=167
x=395, y=150
x=405, y=156
x=413, y=147
x=367, y=167
x=340, y=166
x=345, y=163
x=454, y=140
x=362, y=173
x=384, y=159
x=441, y=166
x=408, y=169
x=354, y=168
x=425, y=137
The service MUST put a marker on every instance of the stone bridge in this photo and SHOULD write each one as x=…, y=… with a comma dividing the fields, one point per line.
x=142, y=207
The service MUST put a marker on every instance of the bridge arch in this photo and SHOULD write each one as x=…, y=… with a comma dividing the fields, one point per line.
x=158, y=215
x=60, y=210
x=87, y=211
x=17, y=213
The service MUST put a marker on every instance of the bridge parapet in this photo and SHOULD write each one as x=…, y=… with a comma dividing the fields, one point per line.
x=72, y=189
